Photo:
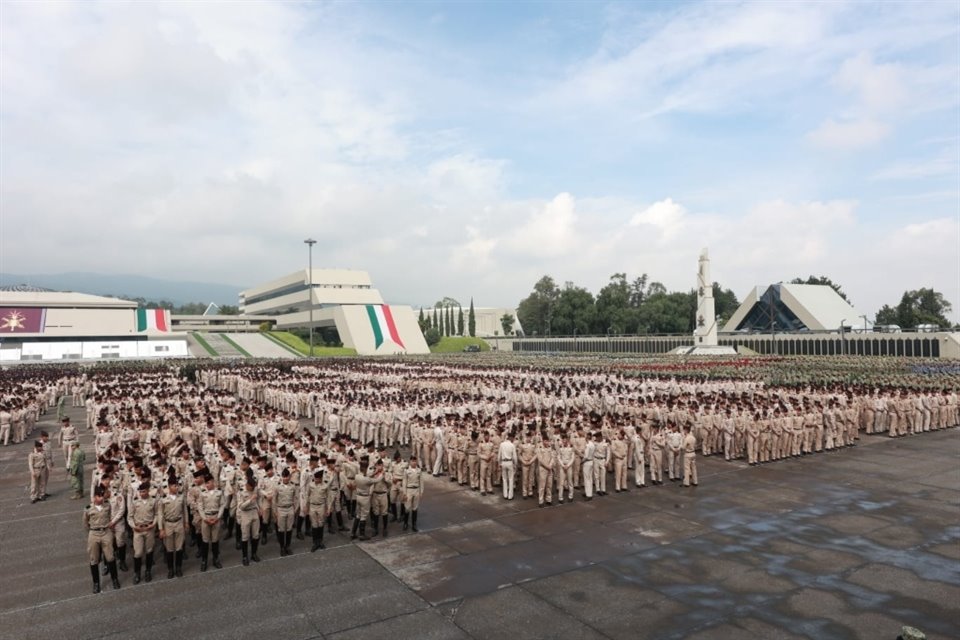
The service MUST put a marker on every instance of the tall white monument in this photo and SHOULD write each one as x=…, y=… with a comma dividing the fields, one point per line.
x=705, y=332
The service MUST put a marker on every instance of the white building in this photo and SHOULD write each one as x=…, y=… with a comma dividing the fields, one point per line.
x=341, y=298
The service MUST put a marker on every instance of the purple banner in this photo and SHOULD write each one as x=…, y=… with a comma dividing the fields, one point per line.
x=22, y=320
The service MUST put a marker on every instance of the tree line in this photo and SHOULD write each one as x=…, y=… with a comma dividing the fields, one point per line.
x=641, y=307
x=622, y=306
x=188, y=309
x=442, y=320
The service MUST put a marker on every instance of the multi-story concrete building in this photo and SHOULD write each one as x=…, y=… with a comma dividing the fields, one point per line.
x=341, y=298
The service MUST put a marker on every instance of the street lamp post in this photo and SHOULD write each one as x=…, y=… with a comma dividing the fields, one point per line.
x=609, y=344
x=310, y=242
x=575, y=338
x=843, y=339
x=864, y=323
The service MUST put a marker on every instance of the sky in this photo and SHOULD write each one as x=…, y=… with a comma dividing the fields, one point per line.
x=467, y=149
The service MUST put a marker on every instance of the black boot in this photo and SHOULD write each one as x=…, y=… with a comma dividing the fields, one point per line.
x=244, y=546
x=384, y=526
x=148, y=572
x=227, y=520
x=317, y=539
x=406, y=520
x=353, y=531
x=95, y=574
x=414, y=527
x=340, y=522
x=253, y=552
x=178, y=563
x=204, y=553
x=113, y=574
x=393, y=512
x=375, y=531
x=299, y=526
x=330, y=522
x=122, y=556
x=104, y=570
x=263, y=533
x=363, y=530
x=169, y=557
x=137, y=563
x=216, y=555
x=236, y=533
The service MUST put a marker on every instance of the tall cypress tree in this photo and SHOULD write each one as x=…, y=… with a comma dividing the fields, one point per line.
x=451, y=328
x=460, y=321
x=421, y=321
x=472, y=321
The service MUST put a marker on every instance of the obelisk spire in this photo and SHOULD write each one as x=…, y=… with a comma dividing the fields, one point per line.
x=705, y=331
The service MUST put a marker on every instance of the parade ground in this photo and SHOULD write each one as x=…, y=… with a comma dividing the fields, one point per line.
x=851, y=544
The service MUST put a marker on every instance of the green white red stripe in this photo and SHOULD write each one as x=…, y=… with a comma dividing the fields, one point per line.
x=384, y=328
x=155, y=319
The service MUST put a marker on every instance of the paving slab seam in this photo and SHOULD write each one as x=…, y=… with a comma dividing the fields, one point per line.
x=554, y=607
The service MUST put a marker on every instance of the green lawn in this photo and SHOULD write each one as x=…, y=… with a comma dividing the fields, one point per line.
x=455, y=344
x=303, y=348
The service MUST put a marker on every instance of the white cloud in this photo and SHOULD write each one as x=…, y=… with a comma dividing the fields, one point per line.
x=198, y=142
x=666, y=216
x=848, y=136
x=549, y=231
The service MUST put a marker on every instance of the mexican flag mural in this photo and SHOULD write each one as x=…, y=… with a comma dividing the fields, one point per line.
x=384, y=328
x=152, y=320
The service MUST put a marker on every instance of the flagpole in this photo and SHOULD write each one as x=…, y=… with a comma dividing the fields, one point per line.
x=310, y=242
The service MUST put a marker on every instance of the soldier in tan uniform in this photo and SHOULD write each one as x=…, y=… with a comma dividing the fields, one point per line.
x=689, y=458
x=657, y=442
x=142, y=517
x=96, y=520
x=317, y=507
x=487, y=455
x=618, y=452
x=566, y=462
x=362, y=488
x=528, y=455
x=412, y=492
x=379, y=498
x=248, y=517
x=285, y=503
x=172, y=521
x=37, y=464
x=546, y=463
x=212, y=505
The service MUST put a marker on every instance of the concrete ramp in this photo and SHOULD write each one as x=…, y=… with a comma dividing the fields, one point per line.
x=260, y=346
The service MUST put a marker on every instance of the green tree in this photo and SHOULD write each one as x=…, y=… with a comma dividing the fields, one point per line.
x=887, y=315
x=460, y=321
x=536, y=310
x=229, y=310
x=613, y=307
x=725, y=303
x=575, y=311
x=451, y=327
x=432, y=337
x=506, y=323
x=472, y=321
x=921, y=306
x=422, y=321
x=821, y=280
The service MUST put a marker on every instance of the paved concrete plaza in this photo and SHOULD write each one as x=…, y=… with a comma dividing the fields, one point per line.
x=852, y=544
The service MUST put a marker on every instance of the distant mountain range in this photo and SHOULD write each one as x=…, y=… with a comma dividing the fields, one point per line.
x=156, y=289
